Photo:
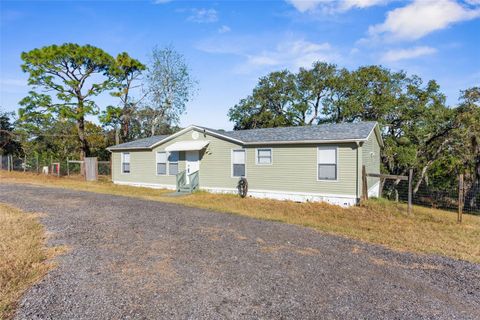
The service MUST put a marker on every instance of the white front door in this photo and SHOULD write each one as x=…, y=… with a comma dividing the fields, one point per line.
x=192, y=163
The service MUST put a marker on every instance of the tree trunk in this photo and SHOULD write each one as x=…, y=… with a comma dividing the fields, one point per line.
x=85, y=148
x=117, y=135
x=473, y=192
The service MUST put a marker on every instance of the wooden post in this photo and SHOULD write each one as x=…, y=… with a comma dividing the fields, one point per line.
x=36, y=157
x=8, y=163
x=1, y=161
x=410, y=182
x=460, y=198
x=68, y=168
x=364, y=184
x=24, y=163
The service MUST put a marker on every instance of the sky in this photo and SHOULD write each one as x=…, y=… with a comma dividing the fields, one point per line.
x=230, y=44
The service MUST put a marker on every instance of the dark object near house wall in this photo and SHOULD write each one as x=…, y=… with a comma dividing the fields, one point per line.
x=242, y=187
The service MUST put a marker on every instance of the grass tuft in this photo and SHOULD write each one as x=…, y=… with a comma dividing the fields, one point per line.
x=23, y=256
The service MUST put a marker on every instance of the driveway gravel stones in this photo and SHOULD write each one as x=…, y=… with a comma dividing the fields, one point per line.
x=137, y=259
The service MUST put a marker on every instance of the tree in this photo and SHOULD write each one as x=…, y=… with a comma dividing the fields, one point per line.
x=270, y=105
x=127, y=73
x=8, y=143
x=468, y=120
x=314, y=85
x=71, y=75
x=285, y=99
x=169, y=86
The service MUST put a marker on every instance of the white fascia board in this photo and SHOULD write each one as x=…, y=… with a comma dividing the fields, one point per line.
x=215, y=134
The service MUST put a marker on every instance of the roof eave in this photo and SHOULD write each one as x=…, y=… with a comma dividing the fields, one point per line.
x=127, y=148
x=215, y=134
x=306, y=141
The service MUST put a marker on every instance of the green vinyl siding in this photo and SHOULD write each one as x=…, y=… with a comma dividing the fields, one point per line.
x=293, y=167
x=143, y=168
x=215, y=171
x=371, y=158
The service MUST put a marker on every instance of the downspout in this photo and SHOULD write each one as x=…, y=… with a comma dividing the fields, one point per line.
x=356, y=186
x=356, y=182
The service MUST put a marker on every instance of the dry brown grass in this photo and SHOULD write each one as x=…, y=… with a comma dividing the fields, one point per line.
x=23, y=256
x=381, y=222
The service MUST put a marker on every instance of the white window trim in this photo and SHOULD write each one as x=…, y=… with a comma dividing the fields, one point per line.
x=121, y=162
x=336, y=162
x=166, y=164
x=231, y=162
x=263, y=164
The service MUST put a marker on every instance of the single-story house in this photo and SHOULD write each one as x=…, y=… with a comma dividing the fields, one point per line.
x=309, y=163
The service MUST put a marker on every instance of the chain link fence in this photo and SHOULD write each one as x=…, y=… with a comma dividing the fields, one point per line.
x=49, y=165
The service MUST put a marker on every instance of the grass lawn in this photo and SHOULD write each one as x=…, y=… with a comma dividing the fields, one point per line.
x=377, y=221
x=23, y=256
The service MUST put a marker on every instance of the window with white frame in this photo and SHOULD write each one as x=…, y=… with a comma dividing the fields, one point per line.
x=327, y=163
x=126, y=162
x=161, y=163
x=264, y=156
x=238, y=163
x=173, y=163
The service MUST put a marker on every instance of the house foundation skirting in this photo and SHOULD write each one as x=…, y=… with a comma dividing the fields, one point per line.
x=339, y=200
x=147, y=185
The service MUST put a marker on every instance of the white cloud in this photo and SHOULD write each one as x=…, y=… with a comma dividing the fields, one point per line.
x=203, y=15
x=306, y=5
x=422, y=17
x=332, y=5
x=404, y=54
x=350, y=4
x=224, y=29
x=290, y=54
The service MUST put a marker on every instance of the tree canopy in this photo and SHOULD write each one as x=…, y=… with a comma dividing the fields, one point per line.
x=70, y=76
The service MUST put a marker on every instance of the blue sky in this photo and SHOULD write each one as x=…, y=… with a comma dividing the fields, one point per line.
x=230, y=44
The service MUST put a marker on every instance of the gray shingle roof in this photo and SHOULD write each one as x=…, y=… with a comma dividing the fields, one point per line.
x=325, y=132
x=140, y=143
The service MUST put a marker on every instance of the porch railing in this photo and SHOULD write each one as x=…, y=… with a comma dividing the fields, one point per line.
x=181, y=179
x=194, y=181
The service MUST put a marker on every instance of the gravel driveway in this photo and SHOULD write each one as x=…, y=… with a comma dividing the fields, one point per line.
x=137, y=259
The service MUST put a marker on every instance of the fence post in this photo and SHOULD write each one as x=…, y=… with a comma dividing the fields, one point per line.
x=1, y=161
x=364, y=184
x=460, y=198
x=24, y=163
x=36, y=158
x=410, y=181
x=68, y=168
x=8, y=163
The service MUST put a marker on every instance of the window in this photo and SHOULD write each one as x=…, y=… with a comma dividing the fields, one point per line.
x=173, y=163
x=264, y=156
x=327, y=163
x=238, y=162
x=126, y=162
x=161, y=163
